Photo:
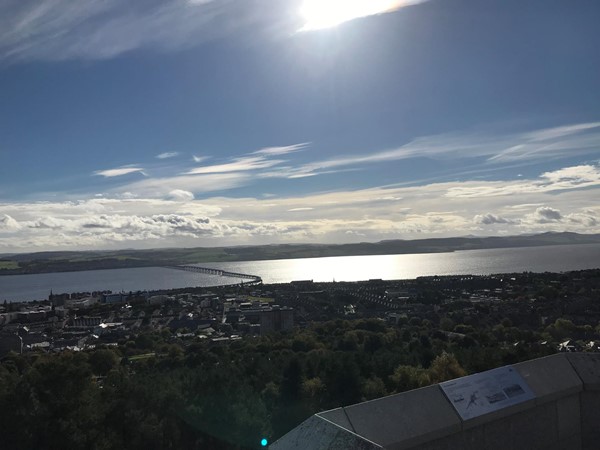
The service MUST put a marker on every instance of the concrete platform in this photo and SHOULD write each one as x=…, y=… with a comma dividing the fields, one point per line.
x=562, y=415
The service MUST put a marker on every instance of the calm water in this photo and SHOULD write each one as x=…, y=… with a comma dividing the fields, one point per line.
x=344, y=268
x=37, y=287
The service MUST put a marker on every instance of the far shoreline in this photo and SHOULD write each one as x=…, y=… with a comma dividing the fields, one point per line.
x=62, y=262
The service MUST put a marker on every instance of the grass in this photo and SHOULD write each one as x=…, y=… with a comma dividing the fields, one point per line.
x=86, y=258
x=140, y=357
x=9, y=265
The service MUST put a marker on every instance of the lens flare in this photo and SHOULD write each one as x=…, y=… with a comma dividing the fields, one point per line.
x=320, y=14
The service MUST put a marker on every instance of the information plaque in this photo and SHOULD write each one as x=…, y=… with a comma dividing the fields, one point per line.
x=485, y=392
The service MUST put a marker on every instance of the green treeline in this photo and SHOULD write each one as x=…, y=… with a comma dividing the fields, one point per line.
x=196, y=394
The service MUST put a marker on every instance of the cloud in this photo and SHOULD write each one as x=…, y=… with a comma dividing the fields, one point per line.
x=198, y=159
x=550, y=143
x=161, y=212
x=124, y=227
x=53, y=30
x=569, y=140
x=167, y=155
x=257, y=160
x=119, y=172
x=92, y=29
x=270, y=151
x=181, y=195
x=575, y=175
x=545, y=214
x=163, y=186
x=7, y=223
x=568, y=178
x=588, y=220
x=491, y=219
x=237, y=165
x=548, y=134
x=268, y=163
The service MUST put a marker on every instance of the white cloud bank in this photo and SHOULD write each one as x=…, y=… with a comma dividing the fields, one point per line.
x=567, y=202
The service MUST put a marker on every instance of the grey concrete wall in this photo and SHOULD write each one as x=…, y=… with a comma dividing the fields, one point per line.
x=565, y=414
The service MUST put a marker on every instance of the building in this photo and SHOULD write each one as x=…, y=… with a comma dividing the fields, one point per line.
x=85, y=302
x=113, y=298
x=547, y=403
x=270, y=319
x=276, y=319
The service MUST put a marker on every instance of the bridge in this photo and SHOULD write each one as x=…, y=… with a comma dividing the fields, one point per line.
x=252, y=279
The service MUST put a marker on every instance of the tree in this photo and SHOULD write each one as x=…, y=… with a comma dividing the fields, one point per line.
x=445, y=367
x=291, y=385
x=406, y=378
x=373, y=388
x=102, y=361
x=446, y=324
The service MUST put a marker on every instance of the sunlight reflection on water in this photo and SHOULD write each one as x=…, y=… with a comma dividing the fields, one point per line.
x=390, y=267
x=342, y=268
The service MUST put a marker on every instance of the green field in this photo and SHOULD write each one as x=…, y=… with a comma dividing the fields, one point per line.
x=8, y=265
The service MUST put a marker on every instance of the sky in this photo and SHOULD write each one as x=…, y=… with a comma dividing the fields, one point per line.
x=182, y=123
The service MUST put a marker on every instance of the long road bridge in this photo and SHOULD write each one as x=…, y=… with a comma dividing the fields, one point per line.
x=253, y=279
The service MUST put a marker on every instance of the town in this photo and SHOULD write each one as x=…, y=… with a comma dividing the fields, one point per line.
x=557, y=311
x=228, y=367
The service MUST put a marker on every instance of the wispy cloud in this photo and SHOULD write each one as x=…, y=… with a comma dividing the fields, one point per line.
x=558, y=132
x=109, y=173
x=199, y=159
x=569, y=178
x=270, y=151
x=237, y=165
x=550, y=143
x=492, y=152
x=164, y=186
x=259, y=159
x=570, y=140
x=100, y=29
x=167, y=155
x=94, y=29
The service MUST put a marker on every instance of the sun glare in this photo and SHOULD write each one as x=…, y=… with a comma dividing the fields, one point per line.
x=320, y=14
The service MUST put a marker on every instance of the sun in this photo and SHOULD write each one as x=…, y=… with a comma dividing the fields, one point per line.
x=319, y=14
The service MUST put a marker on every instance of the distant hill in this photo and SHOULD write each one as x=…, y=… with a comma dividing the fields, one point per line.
x=44, y=262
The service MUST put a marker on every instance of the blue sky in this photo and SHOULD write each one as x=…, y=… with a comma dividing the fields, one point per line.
x=226, y=122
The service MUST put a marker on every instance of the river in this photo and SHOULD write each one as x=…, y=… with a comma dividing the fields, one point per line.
x=558, y=258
